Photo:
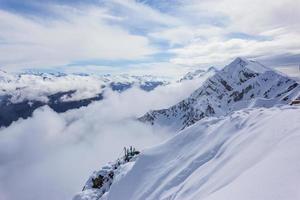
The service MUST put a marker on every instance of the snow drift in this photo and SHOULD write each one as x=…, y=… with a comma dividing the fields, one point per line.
x=250, y=154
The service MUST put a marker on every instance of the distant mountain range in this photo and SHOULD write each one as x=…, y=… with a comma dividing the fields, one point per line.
x=200, y=73
x=21, y=94
x=241, y=84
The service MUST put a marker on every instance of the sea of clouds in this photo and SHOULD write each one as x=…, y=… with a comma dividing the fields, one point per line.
x=51, y=155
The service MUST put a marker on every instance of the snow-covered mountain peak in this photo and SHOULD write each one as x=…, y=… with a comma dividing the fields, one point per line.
x=241, y=84
x=242, y=64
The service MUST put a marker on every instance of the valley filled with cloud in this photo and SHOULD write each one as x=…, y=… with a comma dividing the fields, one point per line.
x=50, y=155
x=149, y=99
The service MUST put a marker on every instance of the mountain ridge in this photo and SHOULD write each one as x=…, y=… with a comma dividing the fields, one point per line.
x=240, y=84
x=210, y=159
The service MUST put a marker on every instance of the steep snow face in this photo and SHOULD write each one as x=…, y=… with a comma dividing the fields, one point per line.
x=241, y=84
x=199, y=74
x=250, y=154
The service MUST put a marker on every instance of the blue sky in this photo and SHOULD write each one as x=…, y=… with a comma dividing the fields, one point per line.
x=160, y=36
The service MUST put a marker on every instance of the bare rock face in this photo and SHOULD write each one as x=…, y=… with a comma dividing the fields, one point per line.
x=241, y=84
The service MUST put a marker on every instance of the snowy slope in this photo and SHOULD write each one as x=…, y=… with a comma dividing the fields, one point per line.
x=241, y=84
x=250, y=154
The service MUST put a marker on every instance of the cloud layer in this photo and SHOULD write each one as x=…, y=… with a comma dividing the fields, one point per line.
x=50, y=155
x=252, y=29
x=80, y=35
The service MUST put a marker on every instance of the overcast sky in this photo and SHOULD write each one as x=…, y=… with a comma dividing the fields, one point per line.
x=165, y=36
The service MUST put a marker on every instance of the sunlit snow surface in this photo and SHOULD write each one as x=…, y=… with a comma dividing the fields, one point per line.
x=250, y=154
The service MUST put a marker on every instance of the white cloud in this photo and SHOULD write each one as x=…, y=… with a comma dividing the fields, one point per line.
x=218, y=50
x=292, y=71
x=143, y=16
x=35, y=88
x=250, y=16
x=166, y=69
x=207, y=28
x=198, y=32
x=176, y=35
x=50, y=155
x=82, y=34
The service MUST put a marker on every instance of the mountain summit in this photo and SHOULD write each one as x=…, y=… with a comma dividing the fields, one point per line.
x=241, y=84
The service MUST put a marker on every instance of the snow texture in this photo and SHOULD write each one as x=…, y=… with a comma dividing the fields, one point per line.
x=249, y=154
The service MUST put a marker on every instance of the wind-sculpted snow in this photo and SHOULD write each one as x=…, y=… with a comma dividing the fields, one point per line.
x=250, y=154
x=241, y=84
